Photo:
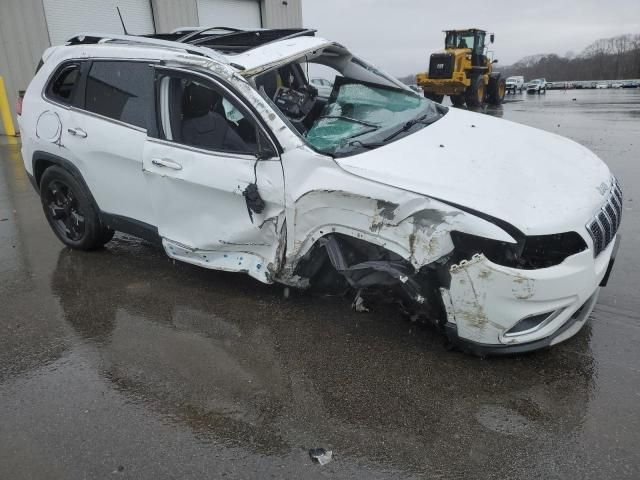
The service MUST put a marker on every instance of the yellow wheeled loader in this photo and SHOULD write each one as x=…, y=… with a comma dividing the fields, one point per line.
x=463, y=71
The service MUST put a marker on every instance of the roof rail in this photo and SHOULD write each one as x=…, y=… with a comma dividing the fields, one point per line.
x=95, y=38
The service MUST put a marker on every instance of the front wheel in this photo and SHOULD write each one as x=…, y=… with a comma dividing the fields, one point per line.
x=457, y=100
x=70, y=212
x=476, y=93
x=434, y=96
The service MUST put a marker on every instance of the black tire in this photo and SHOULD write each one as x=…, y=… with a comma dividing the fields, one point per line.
x=457, y=100
x=476, y=93
x=434, y=96
x=70, y=211
x=497, y=89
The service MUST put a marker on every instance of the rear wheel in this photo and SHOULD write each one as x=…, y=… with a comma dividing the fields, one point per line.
x=476, y=93
x=457, y=100
x=434, y=96
x=70, y=212
x=497, y=90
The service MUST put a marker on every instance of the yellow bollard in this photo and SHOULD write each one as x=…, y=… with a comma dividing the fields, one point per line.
x=5, y=113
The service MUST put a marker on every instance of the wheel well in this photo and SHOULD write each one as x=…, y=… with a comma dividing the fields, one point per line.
x=337, y=262
x=39, y=166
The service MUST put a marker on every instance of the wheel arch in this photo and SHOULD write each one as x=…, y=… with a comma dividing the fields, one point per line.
x=42, y=160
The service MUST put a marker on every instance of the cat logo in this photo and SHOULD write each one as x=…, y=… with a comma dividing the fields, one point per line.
x=440, y=66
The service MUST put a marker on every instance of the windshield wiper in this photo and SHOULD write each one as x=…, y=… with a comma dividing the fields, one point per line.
x=407, y=126
x=354, y=120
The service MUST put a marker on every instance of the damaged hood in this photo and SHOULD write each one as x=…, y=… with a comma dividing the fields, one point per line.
x=539, y=182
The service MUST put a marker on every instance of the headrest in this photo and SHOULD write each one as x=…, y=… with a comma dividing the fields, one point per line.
x=198, y=100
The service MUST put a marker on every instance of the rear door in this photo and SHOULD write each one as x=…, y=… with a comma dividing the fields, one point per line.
x=200, y=169
x=107, y=134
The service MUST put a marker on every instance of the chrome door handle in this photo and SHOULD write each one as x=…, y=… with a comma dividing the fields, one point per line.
x=161, y=162
x=78, y=132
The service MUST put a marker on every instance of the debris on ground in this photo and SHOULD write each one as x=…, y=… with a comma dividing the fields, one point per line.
x=358, y=304
x=320, y=455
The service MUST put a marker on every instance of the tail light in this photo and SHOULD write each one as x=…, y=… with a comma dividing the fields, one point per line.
x=19, y=102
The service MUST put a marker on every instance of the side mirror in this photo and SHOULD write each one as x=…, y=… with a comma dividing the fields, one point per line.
x=495, y=61
x=492, y=38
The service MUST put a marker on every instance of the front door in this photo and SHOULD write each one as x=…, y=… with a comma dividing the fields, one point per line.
x=200, y=171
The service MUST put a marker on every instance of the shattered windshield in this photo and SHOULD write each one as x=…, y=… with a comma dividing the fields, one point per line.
x=362, y=109
x=359, y=113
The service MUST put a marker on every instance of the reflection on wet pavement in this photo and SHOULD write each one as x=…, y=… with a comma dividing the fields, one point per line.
x=121, y=361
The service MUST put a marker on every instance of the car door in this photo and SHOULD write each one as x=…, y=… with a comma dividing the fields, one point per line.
x=107, y=132
x=214, y=176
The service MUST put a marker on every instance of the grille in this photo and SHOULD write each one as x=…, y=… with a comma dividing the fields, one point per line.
x=441, y=65
x=604, y=226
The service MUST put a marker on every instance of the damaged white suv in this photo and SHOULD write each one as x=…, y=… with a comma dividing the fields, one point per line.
x=216, y=145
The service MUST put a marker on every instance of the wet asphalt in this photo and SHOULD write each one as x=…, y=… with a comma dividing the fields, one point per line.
x=122, y=364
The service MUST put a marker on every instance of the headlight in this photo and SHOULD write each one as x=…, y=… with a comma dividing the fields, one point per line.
x=540, y=251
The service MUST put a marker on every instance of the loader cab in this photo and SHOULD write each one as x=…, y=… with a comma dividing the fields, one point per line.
x=473, y=39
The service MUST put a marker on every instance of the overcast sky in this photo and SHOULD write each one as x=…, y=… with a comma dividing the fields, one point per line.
x=399, y=35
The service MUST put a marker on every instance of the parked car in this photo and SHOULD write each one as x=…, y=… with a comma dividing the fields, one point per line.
x=601, y=85
x=631, y=84
x=230, y=161
x=539, y=85
x=324, y=86
x=515, y=84
x=616, y=85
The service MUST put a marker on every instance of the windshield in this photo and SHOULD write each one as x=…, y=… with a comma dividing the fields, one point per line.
x=359, y=106
x=364, y=112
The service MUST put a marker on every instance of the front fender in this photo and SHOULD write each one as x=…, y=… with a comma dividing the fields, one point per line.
x=415, y=227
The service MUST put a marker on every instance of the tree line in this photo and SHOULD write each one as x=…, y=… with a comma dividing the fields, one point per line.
x=616, y=58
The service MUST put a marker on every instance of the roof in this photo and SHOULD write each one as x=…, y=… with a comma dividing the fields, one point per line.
x=245, y=50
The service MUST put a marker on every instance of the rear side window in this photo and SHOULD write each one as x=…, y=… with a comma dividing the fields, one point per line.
x=64, y=82
x=120, y=90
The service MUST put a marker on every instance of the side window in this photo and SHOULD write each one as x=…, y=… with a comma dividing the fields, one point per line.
x=120, y=90
x=63, y=83
x=196, y=113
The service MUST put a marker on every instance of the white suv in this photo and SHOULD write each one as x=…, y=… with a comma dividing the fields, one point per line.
x=215, y=146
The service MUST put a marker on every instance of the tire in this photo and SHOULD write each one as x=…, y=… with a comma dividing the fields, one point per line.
x=497, y=89
x=434, y=96
x=457, y=100
x=70, y=212
x=476, y=93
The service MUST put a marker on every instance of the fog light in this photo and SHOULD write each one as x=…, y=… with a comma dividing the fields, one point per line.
x=532, y=323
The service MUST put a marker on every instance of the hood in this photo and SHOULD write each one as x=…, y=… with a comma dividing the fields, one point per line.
x=539, y=182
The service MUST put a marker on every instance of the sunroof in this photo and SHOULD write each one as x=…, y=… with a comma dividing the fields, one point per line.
x=233, y=41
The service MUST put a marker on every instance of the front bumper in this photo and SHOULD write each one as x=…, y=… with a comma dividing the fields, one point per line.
x=485, y=301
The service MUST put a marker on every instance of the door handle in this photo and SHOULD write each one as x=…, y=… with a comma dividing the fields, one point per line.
x=78, y=132
x=162, y=162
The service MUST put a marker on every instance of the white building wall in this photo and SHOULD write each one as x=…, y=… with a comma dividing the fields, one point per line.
x=24, y=32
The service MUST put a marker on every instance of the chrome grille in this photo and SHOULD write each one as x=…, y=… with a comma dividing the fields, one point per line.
x=604, y=226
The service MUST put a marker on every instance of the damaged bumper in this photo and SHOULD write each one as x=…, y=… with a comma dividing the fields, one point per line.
x=493, y=310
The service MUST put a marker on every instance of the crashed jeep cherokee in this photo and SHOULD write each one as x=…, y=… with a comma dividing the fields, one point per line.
x=216, y=145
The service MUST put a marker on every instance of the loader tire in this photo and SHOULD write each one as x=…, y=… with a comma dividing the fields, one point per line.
x=476, y=93
x=497, y=88
x=457, y=100
x=434, y=96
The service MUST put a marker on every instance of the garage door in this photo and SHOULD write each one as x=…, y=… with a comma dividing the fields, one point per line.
x=229, y=13
x=65, y=18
